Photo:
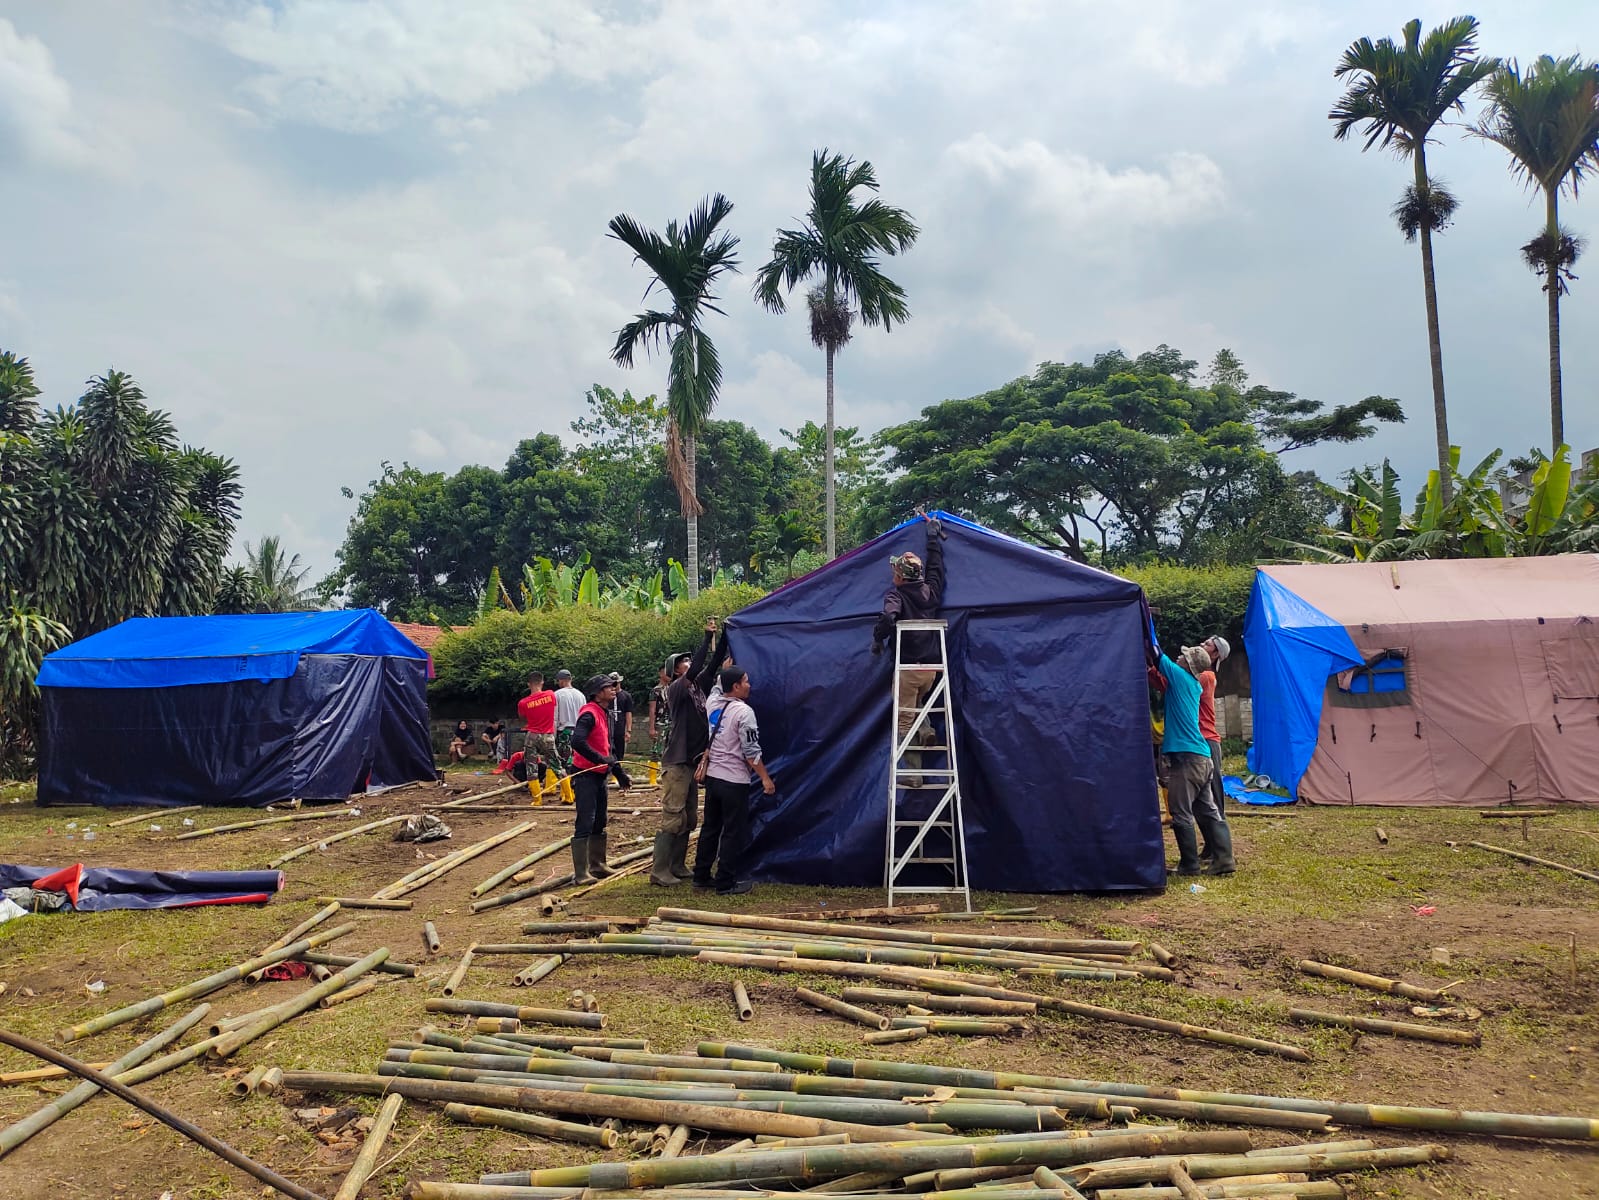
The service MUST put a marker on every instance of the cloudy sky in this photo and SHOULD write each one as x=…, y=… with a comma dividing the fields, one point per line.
x=329, y=233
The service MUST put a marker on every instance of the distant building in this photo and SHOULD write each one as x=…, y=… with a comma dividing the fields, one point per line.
x=1515, y=489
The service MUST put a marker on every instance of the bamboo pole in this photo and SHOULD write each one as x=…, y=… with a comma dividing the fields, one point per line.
x=1539, y=862
x=537, y=1016
x=323, y=843
x=366, y=1161
x=151, y=812
x=966, y=1028
x=282, y=819
x=841, y=1008
x=228, y=1043
x=1376, y=983
x=675, y=1142
x=1375, y=1115
x=20, y=1131
x=195, y=1134
x=878, y=1037
x=741, y=1001
x=1162, y=955
x=563, y=1042
x=1156, y=1168
x=304, y=927
x=200, y=987
x=246, y=1085
x=583, y=925
x=1323, y=1189
x=453, y=983
x=367, y=902
x=1425, y=1033
x=354, y=991
x=436, y=870
x=345, y=960
x=961, y=1004
x=636, y=867
x=1050, y=1181
x=584, y=948
x=535, y=971
x=41, y=1074
x=855, y=914
x=430, y=937
x=980, y=941
x=549, y=1127
x=521, y=864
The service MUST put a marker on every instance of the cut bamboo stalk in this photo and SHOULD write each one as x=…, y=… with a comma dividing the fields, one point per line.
x=41, y=1074
x=741, y=1001
x=962, y=1004
x=1376, y=983
x=558, y=1041
x=453, y=983
x=1516, y=814
x=842, y=1008
x=228, y=1043
x=284, y=818
x=430, y=937
x=323, y=843
x=1425, y=1033
x=878, y=1037
x=585, y=925
x=1155, y=1168
x=153, y=812
x=953, y=1025
x=366, y=1161
x=322, y=914
x=354, y=991
x=1184, y=1182
x=981, y=941
x=510, y=897
x=247, y=1084
x=436, y=870
x=675, y=1142
x=1314, y=1148
x=1539, y=862
x=535, y=971
x=200, y=987
x=271, y=1082
x=1325, y=1189
x=1050, y=1181
x=18, y=1132
x=365, y=902
x=345, y=960
x=1162, y=955
x=549, y=1127
x=521, y=864
x=856, y=914
x=531, y=1016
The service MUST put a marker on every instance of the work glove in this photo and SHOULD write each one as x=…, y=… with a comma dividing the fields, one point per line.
x=623, y=780
x=935, y=527
x=877, y=648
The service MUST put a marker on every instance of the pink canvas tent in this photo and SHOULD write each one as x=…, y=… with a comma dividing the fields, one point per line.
x=1479, y=681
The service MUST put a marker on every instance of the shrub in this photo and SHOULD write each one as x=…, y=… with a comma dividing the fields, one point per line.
x=1193, y=602
x=491, y=660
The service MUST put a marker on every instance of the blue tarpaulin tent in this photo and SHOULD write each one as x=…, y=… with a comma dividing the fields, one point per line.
x=1293, y=646
x=1052, y=708
x=234, y=710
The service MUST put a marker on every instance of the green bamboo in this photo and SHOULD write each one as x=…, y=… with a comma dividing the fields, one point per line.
x=345, y=960
x=278, y=820
x=556, y=1041
x=538, y=1016
x=954, y=1025
x=1157, y=1168
x=981, y=941
x=549, y=1127
x=510, y=897
x=1424, y=1033
x=1316, y=1189
x=844, y=949
x=1048, y=1179
x=367, y=1160
x=562, y=1066
x=575, y=926
x=444, y=866
x=321, y=843
x=960, y=1004
x=325, y=913
x=842, y=1008
x=1376, y=983
x=644, y=1058
x=362, y=902
x=228, y=1043
x=15, y=1134
x=146, y=814
x=880, y=1037
x=535, y=971
x=521, y=864
x=1373, y=1115
x=200, y=987
x=458, y=976
x=655, y=950
x=430, y=937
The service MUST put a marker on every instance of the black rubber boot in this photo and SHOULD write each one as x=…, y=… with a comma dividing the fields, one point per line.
x=1221, y=841
x=661, y=872
x=1187, y=849
x=597, y=863
x=580, y=862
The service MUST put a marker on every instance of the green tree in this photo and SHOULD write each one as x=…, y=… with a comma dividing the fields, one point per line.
x=857, y=472
x=1397, y=95
x=622, y=452
x=1547, y=120
x=840, y=242
x=1122, y=462
x=686, y=263
x=779, y=540
x=740, y=481
x=279, y=578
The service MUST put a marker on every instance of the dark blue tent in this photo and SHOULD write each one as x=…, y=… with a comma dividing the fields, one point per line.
x=237, y=710
x=1051, y=702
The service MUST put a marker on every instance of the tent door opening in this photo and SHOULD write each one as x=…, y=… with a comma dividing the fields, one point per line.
x=926, y=843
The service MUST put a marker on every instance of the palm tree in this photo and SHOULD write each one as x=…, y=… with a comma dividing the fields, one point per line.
x=840, y=241
x=1548, y=122
x=686, y=262
x=279, y=579
x=1398, y=94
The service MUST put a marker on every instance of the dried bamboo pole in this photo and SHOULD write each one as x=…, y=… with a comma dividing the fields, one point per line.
x=282, y=819
x=961, y=1004
x=535, y=971
x=1376, y=983
x=345, y=960
x=354, y=991
x=635, y=866
x=842, y=1008
x=195, y=1134
x=966, y=1028
x=1050, y=1181
x=246, y=1085
x=416, y=880
x=675, y=1142
x=1424, y=1033
x=580, y=925
x=878, y=1037
x=18, y=1132
x=41, y=1074
x=430, y=937
x=200, y=987
x=1539, y=862
x=1322, y=1189
x=151, y=812
x=322, y=843
x=979, y=941
x=1156, y=1168
x=741, y=1001
x=536, y=1016
x=521, y=864
x=367, y=1160
x=1162, y=955
x=453, y=983
x=366, y=902
x=906, y=911
x=549, y=1127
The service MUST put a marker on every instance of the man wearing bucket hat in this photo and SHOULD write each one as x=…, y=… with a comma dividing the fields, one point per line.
x=687, y=737
x=917, y=594
x=592, y=761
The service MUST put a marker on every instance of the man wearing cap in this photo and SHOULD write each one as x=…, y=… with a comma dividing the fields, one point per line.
x=1218, y=648
x=621, y=716
x=686, y=740
x=568, y=700
x=917, y=594
x=592, y=761
x=1189, y=767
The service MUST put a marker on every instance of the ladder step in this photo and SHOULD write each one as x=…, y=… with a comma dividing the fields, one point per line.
x=928, y=824
x=913, y=862
x=921, y=666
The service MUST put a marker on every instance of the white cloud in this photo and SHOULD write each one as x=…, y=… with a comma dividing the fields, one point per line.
x=425, y=446
x=36, y=103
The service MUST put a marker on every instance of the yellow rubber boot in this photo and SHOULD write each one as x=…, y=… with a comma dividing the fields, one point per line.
x=654, y=772
x=568, y=796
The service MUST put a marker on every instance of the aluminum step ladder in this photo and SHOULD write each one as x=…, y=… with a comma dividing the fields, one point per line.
x=926, y=851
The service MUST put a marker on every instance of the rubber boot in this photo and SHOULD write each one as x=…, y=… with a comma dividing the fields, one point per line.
x=661, y=872
x=597, y=863
x=1221, y=842
x=580, y=862
x=1187, y=849
x=680, y=867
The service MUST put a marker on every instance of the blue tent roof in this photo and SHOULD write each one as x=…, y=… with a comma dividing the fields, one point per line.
x=178, y=651
x=1293, y=646
x=1052, y=706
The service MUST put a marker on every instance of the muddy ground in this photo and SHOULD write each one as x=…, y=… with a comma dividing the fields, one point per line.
x=1313, y=884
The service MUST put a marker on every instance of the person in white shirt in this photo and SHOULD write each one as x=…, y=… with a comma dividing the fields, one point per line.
x=735, y=753
x=568, y=702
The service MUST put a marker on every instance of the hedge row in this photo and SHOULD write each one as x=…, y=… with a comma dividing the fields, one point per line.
x=491, y=660
x=1191, y=603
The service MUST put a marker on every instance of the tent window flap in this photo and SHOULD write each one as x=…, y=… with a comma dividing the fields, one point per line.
x=1381, y=682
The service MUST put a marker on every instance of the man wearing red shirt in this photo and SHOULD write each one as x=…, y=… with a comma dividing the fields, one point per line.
x=537, y=710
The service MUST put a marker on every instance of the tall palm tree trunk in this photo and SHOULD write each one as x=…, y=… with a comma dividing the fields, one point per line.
x=1435, y=350
x=827, y=460
x=1557, y=417
x=692, y=566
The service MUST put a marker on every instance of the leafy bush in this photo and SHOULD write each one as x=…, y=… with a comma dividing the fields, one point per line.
x=1193, y=602
x=491, y=660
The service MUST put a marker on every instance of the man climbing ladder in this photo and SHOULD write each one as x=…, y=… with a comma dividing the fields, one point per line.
x=917, y=594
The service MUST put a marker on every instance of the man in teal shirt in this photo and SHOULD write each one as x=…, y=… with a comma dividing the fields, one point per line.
x=1189, y=768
